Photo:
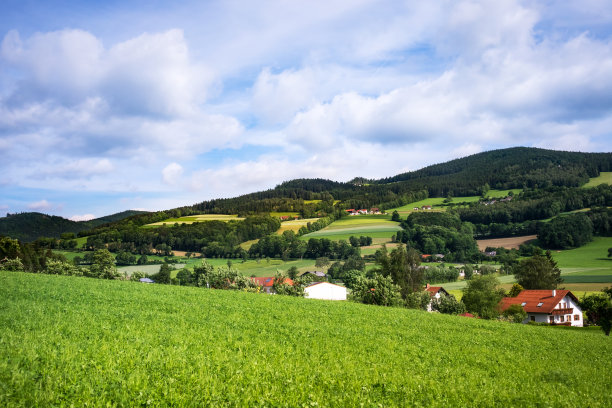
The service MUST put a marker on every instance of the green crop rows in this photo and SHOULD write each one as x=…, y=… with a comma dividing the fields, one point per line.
x=83, y=342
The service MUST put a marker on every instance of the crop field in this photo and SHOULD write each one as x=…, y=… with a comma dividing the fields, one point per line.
x=294, y=225
x=438, y=202
x=587, y=266
x=284, y=214
x=376, y=226
x=508, y=243
x=196, y=218
x=603, y=178
x=86, y=342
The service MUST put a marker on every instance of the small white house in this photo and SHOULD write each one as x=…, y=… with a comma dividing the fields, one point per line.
x=559, y=307
x=435, y=292
x=325, y=290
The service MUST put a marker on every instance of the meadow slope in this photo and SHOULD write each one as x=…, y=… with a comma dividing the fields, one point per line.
x=79, y=341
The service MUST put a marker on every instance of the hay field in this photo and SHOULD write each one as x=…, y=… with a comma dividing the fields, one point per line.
x=508, y=243
x=196, y=218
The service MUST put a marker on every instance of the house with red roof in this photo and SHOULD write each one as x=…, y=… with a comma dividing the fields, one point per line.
x=435, y=292
x=267, y=283
x=558, y=307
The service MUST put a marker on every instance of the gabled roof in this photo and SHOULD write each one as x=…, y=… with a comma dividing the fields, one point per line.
x=435, y=289
x=530, y=299
x=268, y=281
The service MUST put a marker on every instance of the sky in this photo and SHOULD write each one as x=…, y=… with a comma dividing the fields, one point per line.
x=110, y=105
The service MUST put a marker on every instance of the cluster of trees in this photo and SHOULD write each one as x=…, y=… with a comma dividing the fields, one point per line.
x=288, y=245
x=520, y=216
x=212, y=238
x=598, y=309
x=440, y=233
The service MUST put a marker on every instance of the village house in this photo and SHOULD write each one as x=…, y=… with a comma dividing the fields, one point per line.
x=558, y=307
x=426, y=207
x=267, y=283
x=325, y=290
x=435, y=292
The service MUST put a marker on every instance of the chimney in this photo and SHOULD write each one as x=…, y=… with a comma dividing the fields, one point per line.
x=554, y=293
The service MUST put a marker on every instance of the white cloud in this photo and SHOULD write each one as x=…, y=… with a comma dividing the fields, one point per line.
x=42, y=205
x=171, y=174
x=84, y=217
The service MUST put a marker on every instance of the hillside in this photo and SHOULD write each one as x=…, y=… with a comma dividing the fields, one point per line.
x=29, y=226
x=503, y=169
x=94, y=342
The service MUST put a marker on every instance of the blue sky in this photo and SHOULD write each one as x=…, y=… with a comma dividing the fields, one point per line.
x=114, y=105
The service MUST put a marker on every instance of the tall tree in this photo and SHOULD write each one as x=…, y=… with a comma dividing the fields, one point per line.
x=538, y=272
x=103, y=265
x=482, y=296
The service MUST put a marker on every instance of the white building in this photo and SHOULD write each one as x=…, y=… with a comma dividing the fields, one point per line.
x=325, y=290
x=548, y=306
x=435, y=292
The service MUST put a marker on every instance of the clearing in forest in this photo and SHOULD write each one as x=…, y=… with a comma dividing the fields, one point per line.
x=605, y=177
x=438, y=204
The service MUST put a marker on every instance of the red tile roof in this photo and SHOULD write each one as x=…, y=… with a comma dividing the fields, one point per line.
x=435, y=289
x=532, y=298
x=268, y=281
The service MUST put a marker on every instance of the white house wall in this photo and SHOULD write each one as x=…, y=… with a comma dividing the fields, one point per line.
x=325, y=291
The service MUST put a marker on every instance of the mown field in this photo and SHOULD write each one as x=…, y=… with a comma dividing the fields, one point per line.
x=603, y=178
x=375, y=226
x=438, y=202
x=195, y=218
x=77, y=341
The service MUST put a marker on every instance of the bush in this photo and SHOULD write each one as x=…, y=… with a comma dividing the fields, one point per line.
x=515, y=313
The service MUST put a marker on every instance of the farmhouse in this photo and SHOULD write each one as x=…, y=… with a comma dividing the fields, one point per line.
x=325, y=290
x=559, y=307
x=267, y=283
x=427, y=207
x=435, y=292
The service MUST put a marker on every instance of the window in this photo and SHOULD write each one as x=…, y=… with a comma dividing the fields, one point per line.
x=540, y=304
x=532, y=318
x=561, y=318
x=523, y=304
x=569, y=318
x=551, y=319
x=576, y=318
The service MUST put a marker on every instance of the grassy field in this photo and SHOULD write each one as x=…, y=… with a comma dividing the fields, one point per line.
x=85, y=342
x=196, y=218
x=294, y=225
x=604, y=178
x=376, y=226
x=438, y=202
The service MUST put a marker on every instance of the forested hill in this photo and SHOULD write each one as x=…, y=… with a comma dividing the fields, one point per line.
x=29, y=226
x=518, y=167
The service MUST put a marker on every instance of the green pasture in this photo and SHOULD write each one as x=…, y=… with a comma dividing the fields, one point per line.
x=68, y=341
x=196, y=218
x=605, y=177
x=437, y=203
x=375, y=226
x=290, y=214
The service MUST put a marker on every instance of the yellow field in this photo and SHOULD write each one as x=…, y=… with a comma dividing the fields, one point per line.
x=197, y=218
x=294, y=225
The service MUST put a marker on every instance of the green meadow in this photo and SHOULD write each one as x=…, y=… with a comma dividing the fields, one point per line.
x=375, y=226
x=437, y=203
x=68, y=341
x=605, y=177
